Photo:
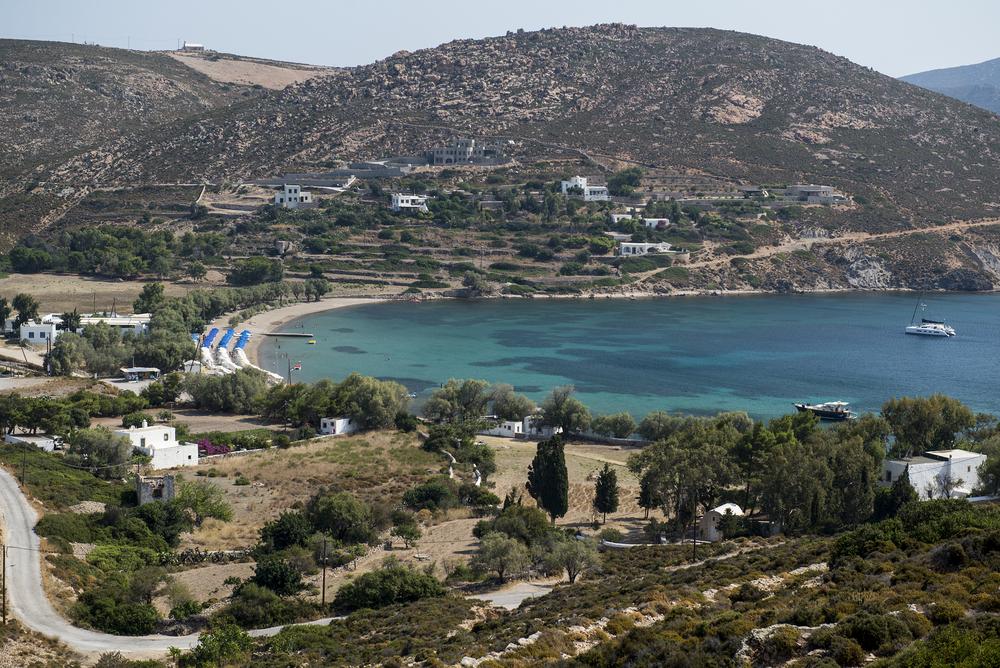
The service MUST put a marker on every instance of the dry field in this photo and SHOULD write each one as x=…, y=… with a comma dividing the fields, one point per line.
x=58, y=293
x=283, y=477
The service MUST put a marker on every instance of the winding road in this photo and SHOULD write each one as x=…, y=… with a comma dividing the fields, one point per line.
x=29, y=603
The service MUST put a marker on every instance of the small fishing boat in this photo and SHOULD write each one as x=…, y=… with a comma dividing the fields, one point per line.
x=415, y=300
x=312, y=342
x=297, y=367
x=831, y=410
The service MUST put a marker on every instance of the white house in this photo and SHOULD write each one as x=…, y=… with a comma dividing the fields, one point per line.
x=632, y=248
x=402, y=202
x=590, y=193
x=937, y=473
x=161, y=444
x=708, y=526
x=292, y=197
x=530, y=429
x=36, y=332
x=337, y=425
x=46, y=443
x=657, y=223
x=510, y=429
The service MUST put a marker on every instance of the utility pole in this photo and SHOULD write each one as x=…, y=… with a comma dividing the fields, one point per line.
x=24, y=462
x=4, y=548
x=324, y=574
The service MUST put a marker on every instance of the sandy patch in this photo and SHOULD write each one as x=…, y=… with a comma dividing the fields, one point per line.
x=250, y=72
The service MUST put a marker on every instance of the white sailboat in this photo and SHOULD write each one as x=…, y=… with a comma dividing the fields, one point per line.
x=927, y=327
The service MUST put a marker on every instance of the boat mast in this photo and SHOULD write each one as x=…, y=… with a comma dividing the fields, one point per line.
x=919, y=299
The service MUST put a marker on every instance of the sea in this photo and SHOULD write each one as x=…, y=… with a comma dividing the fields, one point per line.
x=693, y=355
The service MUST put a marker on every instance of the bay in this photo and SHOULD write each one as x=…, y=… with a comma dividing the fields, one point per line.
x=694, y=355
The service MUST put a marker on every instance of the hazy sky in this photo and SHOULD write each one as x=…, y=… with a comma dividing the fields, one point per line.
x=892, y=36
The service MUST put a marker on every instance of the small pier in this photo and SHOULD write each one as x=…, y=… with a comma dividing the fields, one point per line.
x=301, y=335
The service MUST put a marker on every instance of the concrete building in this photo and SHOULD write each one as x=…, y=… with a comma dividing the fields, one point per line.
x=192, y=47
x=467, y=152
x=46, y=443
x=708, y=525
x=531, y=429
x=37, y=332
x=401, y=202
x=159, y=488
x=590, y=193
x=161, y=444
x=938, y=473
x=337, y=425
x=293, y=197
x=657, y=223
x=510, y=429
x=812, y=194
x=631, y=249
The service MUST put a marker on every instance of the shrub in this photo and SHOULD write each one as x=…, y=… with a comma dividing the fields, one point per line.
x=611, y=535
x=276, y=574
x=871, y=631
x=378, y=589
x=946, y=612
x=619, y=624
x=848, y=653
x=184, y=610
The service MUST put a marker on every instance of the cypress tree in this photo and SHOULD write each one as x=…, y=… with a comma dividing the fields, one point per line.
x=548, y=479
x=606, y=492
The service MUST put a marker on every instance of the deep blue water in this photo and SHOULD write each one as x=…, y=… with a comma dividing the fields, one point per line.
x=697, y=355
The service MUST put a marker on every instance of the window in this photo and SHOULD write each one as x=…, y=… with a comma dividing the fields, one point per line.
x=31, y=335
x=166, y=437
x=888, y=475
x=142, y=442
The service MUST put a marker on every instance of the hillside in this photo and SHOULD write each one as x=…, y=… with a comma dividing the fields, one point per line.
x=729, y=104
x=977, y=84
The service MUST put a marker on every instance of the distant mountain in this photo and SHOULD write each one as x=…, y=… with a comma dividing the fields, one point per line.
x=976, y=84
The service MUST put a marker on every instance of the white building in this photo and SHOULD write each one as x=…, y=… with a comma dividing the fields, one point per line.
x=37, y=332
x=590, y=193
x=292, y=197
x=46, y=443
x=337, y=425
x=937, y=473
x=708, y=526
x=530, y=429
x=628, y=249
x=402, y=202
x=161, y=444
x=510, y=429
x=658, y=223
x=137, y=323
x=815, y=194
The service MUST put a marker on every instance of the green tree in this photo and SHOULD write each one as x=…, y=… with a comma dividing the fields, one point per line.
x=925, y=423
x=276, y=574
x=291, y=528
x=889, y=501
x=619, y=425
x=575, y=557
x=196, y=271
x=623, y=182
x=509, y=405
x=606, y=491
x=71, y=321
x=387, y=586
x=26, y=307
x=649, y=498
x=66, y=358
x=150, y=297
x=223, y=645
x=205, y=500
x=500, y=554
x=5, y=310
x=561, y=409
x=458, y=400
x=101, y=451
x=318, y=286
x=548, y=479
x=341, y=515
x=409, y=533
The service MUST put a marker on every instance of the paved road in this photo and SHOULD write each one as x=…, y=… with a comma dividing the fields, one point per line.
x=29, y=603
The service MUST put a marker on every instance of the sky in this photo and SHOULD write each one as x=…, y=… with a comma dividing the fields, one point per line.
x=892, y=36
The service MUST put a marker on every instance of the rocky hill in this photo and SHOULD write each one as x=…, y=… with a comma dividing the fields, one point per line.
x=730, y=104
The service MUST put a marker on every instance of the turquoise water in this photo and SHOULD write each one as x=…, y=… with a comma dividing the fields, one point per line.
x=697, y=355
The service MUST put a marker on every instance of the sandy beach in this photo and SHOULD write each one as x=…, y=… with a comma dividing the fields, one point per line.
x=263, y=324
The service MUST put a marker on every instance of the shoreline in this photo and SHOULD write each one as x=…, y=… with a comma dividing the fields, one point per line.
x=268, y=322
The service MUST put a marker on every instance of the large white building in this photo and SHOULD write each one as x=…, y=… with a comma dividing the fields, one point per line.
x=630, y=249
x=161, y=444
x=38, y=332
x=937, y=473
x=401, y=202
x=292, y=197
x=138, y=323
x=590, y=193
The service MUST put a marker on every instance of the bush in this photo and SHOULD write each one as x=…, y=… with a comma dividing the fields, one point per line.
x=385, y=587
x=611, y=535
x=276, y=574
x=946, y=612
x=184, y=610
x=871, y=631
